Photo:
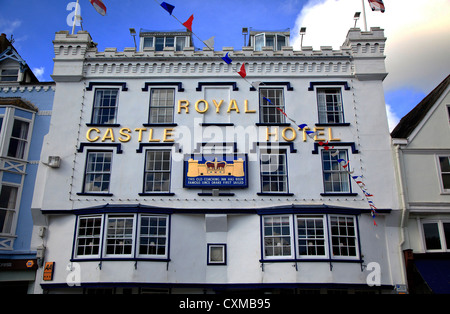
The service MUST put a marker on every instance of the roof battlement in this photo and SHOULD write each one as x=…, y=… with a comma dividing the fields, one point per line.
x=77, y=55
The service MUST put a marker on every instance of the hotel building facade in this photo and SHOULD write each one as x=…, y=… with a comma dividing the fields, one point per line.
x=175, y=174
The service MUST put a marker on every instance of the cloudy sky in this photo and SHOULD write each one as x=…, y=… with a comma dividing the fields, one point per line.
x=417, y=31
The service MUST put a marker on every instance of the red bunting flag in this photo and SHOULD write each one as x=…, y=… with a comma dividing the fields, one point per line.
x=99, y=6
x=242, y=72
x=188, y=23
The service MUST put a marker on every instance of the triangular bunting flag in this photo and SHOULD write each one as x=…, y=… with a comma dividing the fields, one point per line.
x=256, y=84
x=168, y=7
x=227, y=59
x=242, y=72
x=188, y=23
x=210, y=43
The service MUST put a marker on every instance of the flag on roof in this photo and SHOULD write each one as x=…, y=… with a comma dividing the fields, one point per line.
x=99, y=6
x=377, y=5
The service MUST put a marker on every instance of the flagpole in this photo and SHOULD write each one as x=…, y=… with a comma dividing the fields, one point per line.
x=364, y=15
x=75, y=18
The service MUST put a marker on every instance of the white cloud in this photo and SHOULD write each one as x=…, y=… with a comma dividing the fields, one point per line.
x=393, y=119
x=417, y=32
x=8, y=27
x=39, y=72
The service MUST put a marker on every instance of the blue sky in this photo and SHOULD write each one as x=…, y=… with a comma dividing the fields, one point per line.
x=417, y=49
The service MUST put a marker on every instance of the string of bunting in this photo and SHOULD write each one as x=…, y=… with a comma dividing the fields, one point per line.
x=303, y=127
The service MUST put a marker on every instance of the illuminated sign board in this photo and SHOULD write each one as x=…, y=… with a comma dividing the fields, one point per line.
x=215, y=171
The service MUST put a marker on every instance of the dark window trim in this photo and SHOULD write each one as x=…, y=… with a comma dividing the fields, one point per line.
x=123, y=85
x=232, y=84
x=288, y=85
x=178, y=85
x=313, y=84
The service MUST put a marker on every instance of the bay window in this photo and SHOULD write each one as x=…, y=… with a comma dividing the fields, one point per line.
x=310, y=237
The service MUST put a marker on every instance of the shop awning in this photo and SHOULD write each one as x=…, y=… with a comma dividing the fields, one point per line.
x=436, y=273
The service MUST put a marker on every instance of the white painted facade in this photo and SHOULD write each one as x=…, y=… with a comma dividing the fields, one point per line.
x=233, y=219
x=422, y=162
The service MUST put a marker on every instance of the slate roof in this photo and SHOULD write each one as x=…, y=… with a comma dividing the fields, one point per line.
x=409, y=122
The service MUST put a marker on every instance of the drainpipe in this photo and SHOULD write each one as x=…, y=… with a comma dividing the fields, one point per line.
x=402, y=199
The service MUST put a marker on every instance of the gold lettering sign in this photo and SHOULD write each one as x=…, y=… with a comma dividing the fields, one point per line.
x=202, y=106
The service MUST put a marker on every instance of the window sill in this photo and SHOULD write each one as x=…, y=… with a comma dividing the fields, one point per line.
x=94, y=194
x=211, y=194
x=216, y=124
x=274, y=194
x=160, y=124
x=338, y=194
x=272, y=124
x=110, y=125
x=332, y=124
x=120, y=259
x=311, y=260
x=157, y=194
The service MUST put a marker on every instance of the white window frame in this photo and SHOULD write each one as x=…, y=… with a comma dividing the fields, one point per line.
x=322, y=105
x=312, y=238
x=87, y=173
x=440, y=173
x=157, y=236
x=223, y=259
x=272, y=236
x=275, y=46
x=275, y=103
x=445, y=247
x=13, y=213
x=15, y=76
x=265, y=169
x=156, y=106
x=332, y=172
x=157, y=171
x=99, y=236
x=25, y=141
x=9, y=116
x=97, y=107
x=107, y=237
x=355, y=237
x=175, y=42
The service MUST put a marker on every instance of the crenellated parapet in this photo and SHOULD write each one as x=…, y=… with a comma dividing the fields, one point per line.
x=77, y=56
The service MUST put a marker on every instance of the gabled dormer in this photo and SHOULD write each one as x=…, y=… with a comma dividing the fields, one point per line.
x=269, y=40
x=13, y=68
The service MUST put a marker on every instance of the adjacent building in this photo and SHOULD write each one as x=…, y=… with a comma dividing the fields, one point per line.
x=165, y=170
x=25, y=110
x=422, y=152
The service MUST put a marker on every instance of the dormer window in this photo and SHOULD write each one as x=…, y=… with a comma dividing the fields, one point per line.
x=269, y=39
x=159, y=43
x=161, y=40
x=9, y=75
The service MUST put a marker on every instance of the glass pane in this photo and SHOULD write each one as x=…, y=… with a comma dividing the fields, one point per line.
x=159, y=43
x=445, y=164
x=180, y=43
x=148, y=42
x=259, y=42
x=281, y=41
x=447, y=234
x=431, y=233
